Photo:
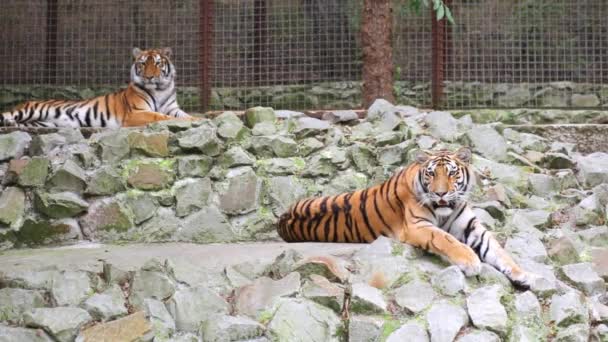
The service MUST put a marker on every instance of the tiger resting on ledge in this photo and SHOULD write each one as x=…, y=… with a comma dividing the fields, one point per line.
x=150, y=97
x=423, y=205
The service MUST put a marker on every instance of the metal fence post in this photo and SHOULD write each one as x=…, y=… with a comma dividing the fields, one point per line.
x=438, y=60
x=206, y=51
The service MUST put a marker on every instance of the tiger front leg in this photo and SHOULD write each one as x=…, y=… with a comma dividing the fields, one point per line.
x=135, y=119
x=439, y=242
x=7, y=120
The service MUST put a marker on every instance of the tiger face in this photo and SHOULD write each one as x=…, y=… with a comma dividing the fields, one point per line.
x=152, y=69
x=444, y=179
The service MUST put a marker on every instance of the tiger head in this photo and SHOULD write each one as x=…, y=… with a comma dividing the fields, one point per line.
x=443, y=179
x=152, y=69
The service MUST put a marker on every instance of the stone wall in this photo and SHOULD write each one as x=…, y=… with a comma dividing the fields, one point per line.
x=347, y=95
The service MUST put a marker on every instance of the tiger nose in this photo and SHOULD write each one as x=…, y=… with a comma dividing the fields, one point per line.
x=440, y=194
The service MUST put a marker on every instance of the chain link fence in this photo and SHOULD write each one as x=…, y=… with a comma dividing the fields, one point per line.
x=306, y=54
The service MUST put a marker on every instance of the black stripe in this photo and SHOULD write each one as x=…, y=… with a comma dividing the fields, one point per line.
x=96, y=110
x=108, y=112
x=483, y=256
x=322, y=214
x=348, y=219
x=57, y=112
x=469, y=229
x=389, y=231
x=400, y=202
x=386, y=194
x=363, y=211
x=150, y=95
x=19, y=116
x=87, y=117
x=456, y=217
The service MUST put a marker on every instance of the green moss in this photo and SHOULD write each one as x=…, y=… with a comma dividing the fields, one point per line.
x=300, y=163
x=265, y=317
x=390, y=325
x=397, y=249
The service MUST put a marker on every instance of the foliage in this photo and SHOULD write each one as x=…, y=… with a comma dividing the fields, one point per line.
x=440, y=8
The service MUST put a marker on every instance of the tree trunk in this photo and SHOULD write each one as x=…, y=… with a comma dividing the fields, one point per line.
x=376, y=41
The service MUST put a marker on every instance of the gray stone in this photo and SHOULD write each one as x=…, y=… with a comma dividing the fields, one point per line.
x=259, y=114
x=346, y=182
x=364, y=328
x=70, y=288
x=526, y=246
x=12, y=334
x=206, y=226
x=35, y=172
x=485, y=309
x=242, y=191
x=556, y=160
x=114, y=144
x=445, y=321
x=379, y=107
x=479, y=336
x=584, y=278
x=191, y=306
x=600, y=333
x=515, y=97
x=543, y=185
x=63, y=323
x=264, y=128
x=12, y=208
x=307, y=126
x=573, y=333
x=203, y=138
x=68, y=177
x=287, y=114
x=280, y=166
x=340, y=116
x=106, y=215
x=162, y=322
x=488, y=142
x=585, y=100
x=388, y=138
x=134, y=327
x=309, y=145
x=594, y=236
x=253, y=299
x=322, y=291
x=284, y=191
x=14, y=302
x=505, y=174
x=36, y=278
x=414, y=332
x=284, y=147
x=191, y=195
x=236, y=156
x=363, y=131
x=593, y=168
x=415, y=296
x=522, y=333
x=13, y=145
x=60, y=205
x=142, y=205
x=150, y=144
x=194, y=166
x=230, y=126
x=105, y=181
x=442, y=125
x=224, y=328
x=39, y=231
x=526, y=304
x=363, y=157
x=450, y=281
x=284, y=264
x=367, y=299
x=107, y=305
x=568, y=309
x=299, y=320
x=394, y=154
x=150, y=284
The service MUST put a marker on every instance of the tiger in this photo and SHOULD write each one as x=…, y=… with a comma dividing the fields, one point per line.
x=149, y=97
x=424, y=205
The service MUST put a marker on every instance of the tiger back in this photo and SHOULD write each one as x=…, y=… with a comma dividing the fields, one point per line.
x=423, y=205
x=150, y=97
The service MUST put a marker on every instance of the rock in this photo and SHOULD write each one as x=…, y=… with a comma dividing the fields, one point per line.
x=284, y=147
x=202, y=138
x=14, y=302
x=367, y=299
x=573, y=333
x=594, y=236
x=284, y=191
x=526, y=304
x=134, y=327
x=105, y=181
x=159, y=317
x=206, y=226
x=514, y=97
x=150, y=284
x=364, y=328
x=107, y=305
x=12, y=208
x=340, y=116
x=68, y=177
x=70, y=288
x=60, y=205
x=522, y=333
x=43, y=145
x=394, y=154
x=379, y=107
x=307, y=126
x=37, y=231
x=450, y=281
x=388, y=138
x=106, y=215
x=230, y=126
x=488, y=142
x=151, y=175
x=299, y=320
x=347, y=181
x=584, y=278
x=600, y=333
x=142, y=205
x=242, y=191
x=543, y=185
x=279, y=166
x=412, y=331
x=264, y=128
x=556, y=160
x=191, y=195
x=114, y=144
x=150, y=144
x=415, y=296
x=585, y=100
x=593, y=168
x=445, y=321
x=569, y=308
x=284, y=264
x=309, y=145
x=194, y=166
x=220, y=328
x=363, y=157
x=236, y=156
x=506, y=174
x=12, y=334
x=259, y=114
x=287, y=114
x=443, y=126
x=330, y=267
x=35, y=172
x=63, y=323
x=13, y=145
x=485, y=309
x=479, y=336
x=256, y=297
x=191, y=306
x=526, y=246
x=36, y=278
x=320, y=290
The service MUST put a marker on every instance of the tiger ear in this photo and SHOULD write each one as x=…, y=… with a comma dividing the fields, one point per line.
x=421, y=156
x=136, y=52
x=166, y=51
x=464, y=154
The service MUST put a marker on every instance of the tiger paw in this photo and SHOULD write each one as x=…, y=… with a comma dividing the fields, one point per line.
x=523, y=280
x=471, y=267
x=7, y=120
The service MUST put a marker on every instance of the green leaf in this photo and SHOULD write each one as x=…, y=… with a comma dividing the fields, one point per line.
x=448, y=15
x=440, y=13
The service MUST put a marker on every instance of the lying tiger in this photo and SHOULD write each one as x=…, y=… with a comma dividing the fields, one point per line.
x=150, y=97
x=423, y=205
